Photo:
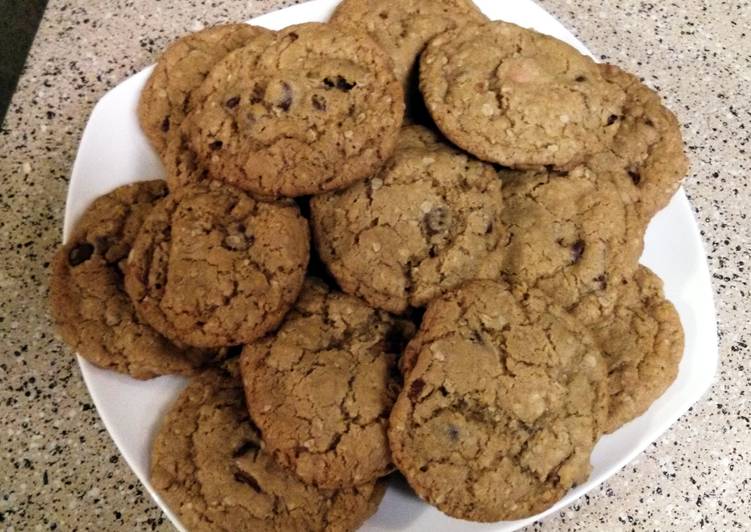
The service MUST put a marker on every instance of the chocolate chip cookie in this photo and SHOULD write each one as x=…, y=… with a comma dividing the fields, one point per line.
x=648, y=146
x=319, y=108
x=321, y=388
x=404, y=27
x=167, y=97
x=181, y=165
x=426, y=222
x=92, y=312
x=507, y=397
x=212, y=266
x=571, y=235
x=643, y=344
x=209, y=465
x=519, y=98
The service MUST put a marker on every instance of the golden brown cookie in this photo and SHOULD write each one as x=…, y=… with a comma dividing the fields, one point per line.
x=648, y=146
x=209, y=465
x=181, y=165
x=404, y=27
x=425, y=223
x=519, y=98
x=167, y=97
x=571, y=235
x=321, y=388
x=213, y=267
x=92, y=312
x=315, y=110
x=643, y=344
x=507, y=397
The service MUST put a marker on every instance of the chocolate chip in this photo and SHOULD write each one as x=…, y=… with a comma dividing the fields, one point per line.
x=635, y=176
x=344, y=85
x=612, y=119
x=165, y=124
x=437, y=220
x=649, y=122
x=319, y=103
x=340, y=83
x=286, y=102
x=383, y=15
x=581, y=79
x=245, y=448
x=216, y=145
x=258, y=93
x=453, y=433
x=603, y=280
x=294, y=36
x=415, y=389
x=249, y=480
x=232, y=102
x=80, y=254
x=577, y=250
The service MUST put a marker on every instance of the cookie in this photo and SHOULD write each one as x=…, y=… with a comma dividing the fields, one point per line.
x=321, y=388
x=209, y=465
x=642, y=342
x=167, y=97
x=425, y=223
x=212, y=266
x=315, y=110
x=92, y=312
x=404, y=27
x=571, y=235
x=181, y=165
x=519, y=98
x=648, y=146
x=507, y=397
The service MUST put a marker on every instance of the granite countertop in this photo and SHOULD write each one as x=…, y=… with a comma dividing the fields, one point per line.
x=59, y=470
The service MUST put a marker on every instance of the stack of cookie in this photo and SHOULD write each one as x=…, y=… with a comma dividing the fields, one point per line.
x=471, y=312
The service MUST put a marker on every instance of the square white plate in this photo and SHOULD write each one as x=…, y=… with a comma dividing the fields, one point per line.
x=114, y=152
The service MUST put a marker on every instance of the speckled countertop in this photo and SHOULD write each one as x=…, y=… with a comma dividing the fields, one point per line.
x=58, y=468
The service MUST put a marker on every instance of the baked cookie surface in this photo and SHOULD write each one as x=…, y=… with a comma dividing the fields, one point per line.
x=317, y=109
x=321, y=388
x=648, y=146
x=642, y=342
x=571, y=235
x=502, y=407
x=209, y=465
x=214, y=267
x=167, y=97
x=92, y=312
x=404, y=27
x=426, y=222
x=517, y=97
x=181, y=164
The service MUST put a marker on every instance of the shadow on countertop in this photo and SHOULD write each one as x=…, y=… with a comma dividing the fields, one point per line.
x=19, y=20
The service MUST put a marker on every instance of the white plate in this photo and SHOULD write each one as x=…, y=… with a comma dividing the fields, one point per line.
x=114, y=152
